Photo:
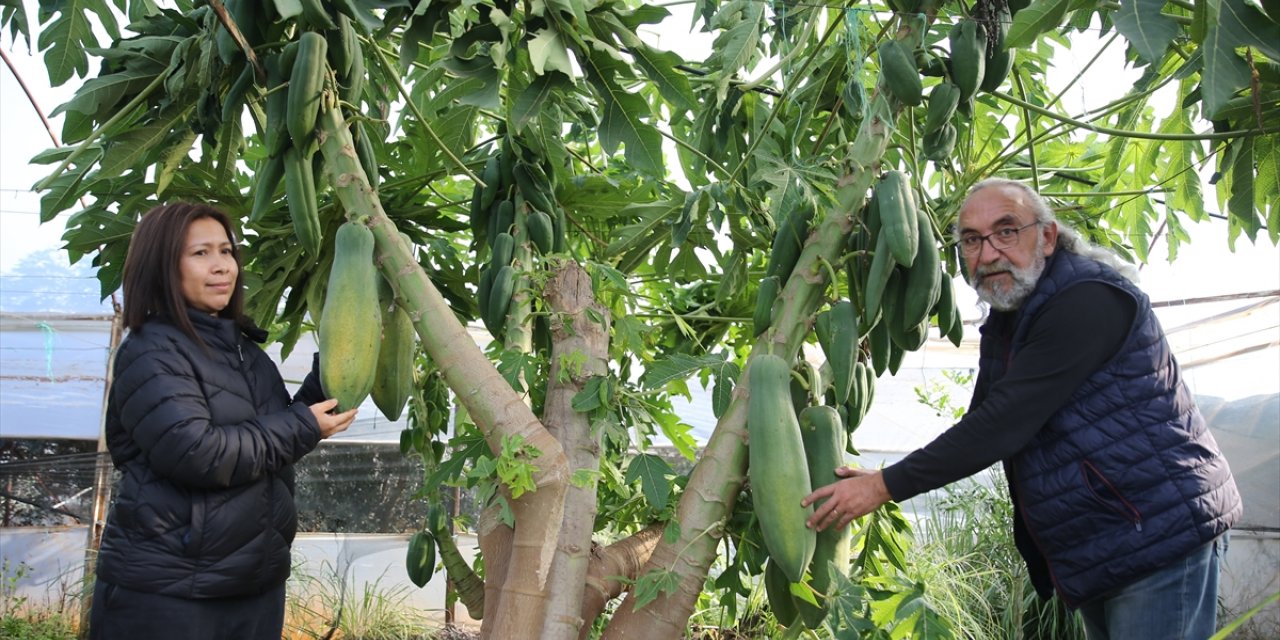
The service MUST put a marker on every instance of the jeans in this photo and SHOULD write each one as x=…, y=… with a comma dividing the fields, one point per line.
x=1178, y=602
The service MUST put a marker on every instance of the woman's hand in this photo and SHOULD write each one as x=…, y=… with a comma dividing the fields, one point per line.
x=859, y=493
x=331, y=423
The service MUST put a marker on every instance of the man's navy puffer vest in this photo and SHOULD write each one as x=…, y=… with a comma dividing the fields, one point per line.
x=1125, y=478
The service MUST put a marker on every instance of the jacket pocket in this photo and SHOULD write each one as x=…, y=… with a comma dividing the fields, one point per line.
x=193, y=540
x=1109, y=495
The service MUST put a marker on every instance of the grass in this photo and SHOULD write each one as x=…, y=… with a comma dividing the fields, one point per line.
x=326, y=606
x=966, y=556
x=20, y=621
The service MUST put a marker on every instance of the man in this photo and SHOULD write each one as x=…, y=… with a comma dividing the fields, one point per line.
x=1121, y=496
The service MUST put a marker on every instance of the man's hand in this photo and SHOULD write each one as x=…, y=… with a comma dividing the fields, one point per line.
x=859, y=493
x=331, y=423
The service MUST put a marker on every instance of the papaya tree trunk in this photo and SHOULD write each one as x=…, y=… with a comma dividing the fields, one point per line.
x=719, y=474
x=495, y=544
x=579, y=351
x=611, y=569
x=496, y=408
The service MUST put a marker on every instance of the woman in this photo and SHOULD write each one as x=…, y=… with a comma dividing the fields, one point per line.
x=204, y=434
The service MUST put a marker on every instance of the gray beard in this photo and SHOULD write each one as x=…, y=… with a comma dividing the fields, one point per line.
x=1024, y=282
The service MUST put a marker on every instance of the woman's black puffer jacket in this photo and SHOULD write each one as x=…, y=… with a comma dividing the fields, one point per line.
x=205, y=437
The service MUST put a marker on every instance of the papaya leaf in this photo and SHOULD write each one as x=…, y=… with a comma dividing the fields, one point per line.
x=684, y=223
x=362, y=11
x=1246, y=26
x=143, y=53
x=14, y=16
x=1241, y=193
x=621, y=117
x=68, y=187
x=658, y=66
x=564, y=7
x=173, y=160
x=1267, y=182
x=678, y=433
x=653, y=473
x=1148, y=30
x=589, y=398
x=129, y=149
x=654, y=584
x=1036, y=18
x=643, y=232
x=102, y=232
x=1225, y=72
x=288, y=8
x=53, y=155
x=65, y=37
x=99, y=97
x=676, y=367
x=547, y=53
x=534, y=98
x=230, y=142
x=737, y=46
x=601, y=198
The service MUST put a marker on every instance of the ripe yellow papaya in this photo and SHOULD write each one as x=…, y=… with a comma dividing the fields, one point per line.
x=351, y=324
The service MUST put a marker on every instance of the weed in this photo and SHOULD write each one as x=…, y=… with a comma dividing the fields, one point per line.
x=326, y=606
x=18, y=621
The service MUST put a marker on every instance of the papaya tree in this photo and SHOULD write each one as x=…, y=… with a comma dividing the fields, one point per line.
x=625, y=222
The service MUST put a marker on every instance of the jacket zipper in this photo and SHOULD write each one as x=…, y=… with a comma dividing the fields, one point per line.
x=1132, y=514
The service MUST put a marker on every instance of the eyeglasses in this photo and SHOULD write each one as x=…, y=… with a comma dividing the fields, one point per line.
x=1001, y=239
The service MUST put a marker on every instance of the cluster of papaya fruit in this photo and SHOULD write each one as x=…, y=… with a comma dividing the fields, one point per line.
x=896, y=287
x=322, y=65
x=903, y=285
x=513, y=205
x=779, y=436
x=367, y=340
x=977, y=60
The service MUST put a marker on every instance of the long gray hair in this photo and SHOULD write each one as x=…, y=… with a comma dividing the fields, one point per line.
x=1069, y=239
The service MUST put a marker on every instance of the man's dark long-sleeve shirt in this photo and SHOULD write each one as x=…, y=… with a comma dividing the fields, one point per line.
x=1076, y=333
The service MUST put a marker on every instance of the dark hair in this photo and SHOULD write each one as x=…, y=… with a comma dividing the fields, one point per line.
x=152, y=278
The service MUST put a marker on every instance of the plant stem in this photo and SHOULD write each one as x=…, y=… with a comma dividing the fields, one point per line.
x=1143, y=135
x=1095, y=194
x=1027, y=122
